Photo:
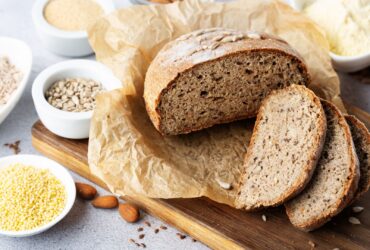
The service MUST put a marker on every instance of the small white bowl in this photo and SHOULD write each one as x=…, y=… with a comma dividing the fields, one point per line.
x=61, y=42
x=59, y=172
x=20, y=55
x=350, y=63
x=73, y=125
x=340, y=63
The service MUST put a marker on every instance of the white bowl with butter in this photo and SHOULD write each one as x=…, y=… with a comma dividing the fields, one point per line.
x=346, y=28
x=65, y=42
x=59, y=172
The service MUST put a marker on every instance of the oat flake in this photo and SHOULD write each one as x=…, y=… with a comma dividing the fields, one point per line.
x=10, y=78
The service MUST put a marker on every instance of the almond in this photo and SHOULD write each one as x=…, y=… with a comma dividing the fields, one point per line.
x=129, y=212
x=108, y=201
x=85, y=191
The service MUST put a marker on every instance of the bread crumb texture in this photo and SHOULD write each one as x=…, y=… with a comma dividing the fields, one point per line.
x=331, y=186
x=281, y=156
x=29, y=197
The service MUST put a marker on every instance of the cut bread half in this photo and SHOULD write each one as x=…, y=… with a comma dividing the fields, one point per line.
x=216, y=76
x=361, y=139
x=286, y=143
x=335, y=180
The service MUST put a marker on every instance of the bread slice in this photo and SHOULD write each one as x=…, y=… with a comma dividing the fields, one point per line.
x=286, y=143
x=216, y=76
x=335, y=180
x=361, y=139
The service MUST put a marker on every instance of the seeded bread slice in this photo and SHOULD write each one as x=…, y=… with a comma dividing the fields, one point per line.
x=286, y=143
x=215, y=76
x=335, y=180
x=361, y=139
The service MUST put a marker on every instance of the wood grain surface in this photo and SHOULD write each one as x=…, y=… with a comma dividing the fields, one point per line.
x=220, y=226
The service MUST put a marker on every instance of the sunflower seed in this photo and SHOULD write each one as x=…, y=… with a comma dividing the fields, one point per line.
x=312, y=244
x=354, y=220
x=264, y=218
x=357, y=209
x=223, y=184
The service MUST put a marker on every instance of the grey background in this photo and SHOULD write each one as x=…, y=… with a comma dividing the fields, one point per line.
x=86, y=227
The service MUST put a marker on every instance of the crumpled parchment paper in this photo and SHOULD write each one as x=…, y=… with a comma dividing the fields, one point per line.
x=126, y=151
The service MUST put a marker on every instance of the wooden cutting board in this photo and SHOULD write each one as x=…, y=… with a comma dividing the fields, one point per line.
x=220, y=226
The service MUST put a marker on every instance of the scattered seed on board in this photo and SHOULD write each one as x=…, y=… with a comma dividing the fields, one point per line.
x=147, y=223
x=312, y=244
x=141, y=236
x=14, y=146
x=181, y=236
x=143, y=245
x=194, y=240
x=140, y=229
x=156, y=230
x=131, y=240
x=354, y=220
x=264, y=218
x=163, y=227
x=357, y=209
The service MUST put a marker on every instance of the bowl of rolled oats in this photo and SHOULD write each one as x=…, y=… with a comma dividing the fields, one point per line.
x=15, y=68
x=64, y=95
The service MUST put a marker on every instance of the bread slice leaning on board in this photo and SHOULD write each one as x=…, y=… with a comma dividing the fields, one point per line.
x=335, y=180
x=287, y=140
x=361, y=139
x=215, y=76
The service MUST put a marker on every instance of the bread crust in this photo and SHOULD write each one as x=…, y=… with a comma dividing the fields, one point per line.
x=366, y=136
x=163, y=72
x=310, y=166
x=350, y=187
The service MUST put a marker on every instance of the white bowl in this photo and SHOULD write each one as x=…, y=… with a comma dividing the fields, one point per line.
x=20, y=55
x=59, y=172
x=73, y=125
x=61, y=42
x=340, y=63
x=350, y=63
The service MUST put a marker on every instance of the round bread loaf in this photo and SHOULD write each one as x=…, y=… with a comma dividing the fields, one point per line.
x=215, y=76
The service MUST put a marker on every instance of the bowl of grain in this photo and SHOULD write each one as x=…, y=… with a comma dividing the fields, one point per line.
x=15, y=68
x=62, y=24
x=35, y=194
x=64, y=95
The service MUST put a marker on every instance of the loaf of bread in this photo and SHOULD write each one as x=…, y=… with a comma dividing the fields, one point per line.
x=286, y=143
x=215, y=76
x=361, y=139
x=335, y=180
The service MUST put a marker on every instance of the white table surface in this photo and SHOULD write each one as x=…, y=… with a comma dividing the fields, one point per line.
x=86, y=227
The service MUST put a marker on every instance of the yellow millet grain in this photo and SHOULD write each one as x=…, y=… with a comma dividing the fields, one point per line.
x=29, y=197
